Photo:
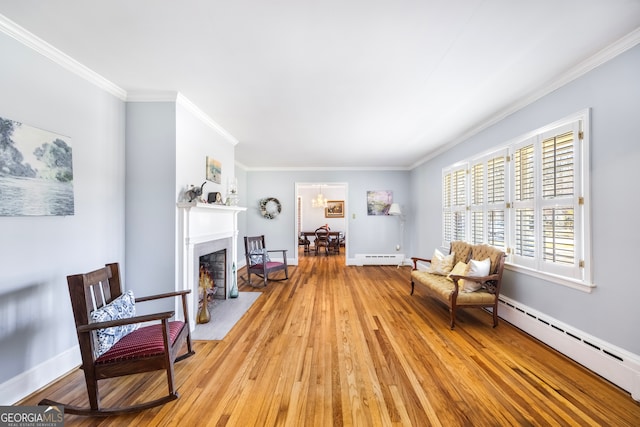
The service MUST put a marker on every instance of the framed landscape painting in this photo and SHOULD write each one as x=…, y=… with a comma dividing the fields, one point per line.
x=378, y=202
x=214, y=170
x=334, y=209
x=36, y=172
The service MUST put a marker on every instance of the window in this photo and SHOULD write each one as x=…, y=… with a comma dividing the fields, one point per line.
x=454, y=196
x=524, y=228
x=487, y=208
x=528, y=198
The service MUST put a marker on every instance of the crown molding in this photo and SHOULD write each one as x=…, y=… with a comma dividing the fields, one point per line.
x=323, y=168
x=30, y=40
x=151, y=96
x=193, y=108
x=608, y=53
x=180, y=99
x=35, y=43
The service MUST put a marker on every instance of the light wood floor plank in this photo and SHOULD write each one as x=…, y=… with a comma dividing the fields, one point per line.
x=348, y=346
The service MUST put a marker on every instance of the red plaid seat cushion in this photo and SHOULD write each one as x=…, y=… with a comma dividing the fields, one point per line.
x=143, y=342
x=269, y=264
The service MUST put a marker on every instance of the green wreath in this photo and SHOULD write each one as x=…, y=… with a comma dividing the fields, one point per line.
x=270, y=207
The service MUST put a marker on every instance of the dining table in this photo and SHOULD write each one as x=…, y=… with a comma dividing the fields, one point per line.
x=307, y=234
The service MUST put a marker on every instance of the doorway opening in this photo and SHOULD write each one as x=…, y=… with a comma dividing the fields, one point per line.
x=321, y=204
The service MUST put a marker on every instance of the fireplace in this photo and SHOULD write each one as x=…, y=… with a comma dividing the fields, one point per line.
x=212, y=275
x=206, y=229
x=212, y=272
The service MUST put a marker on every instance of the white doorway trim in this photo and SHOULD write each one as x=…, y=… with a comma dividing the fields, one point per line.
x=324, y=185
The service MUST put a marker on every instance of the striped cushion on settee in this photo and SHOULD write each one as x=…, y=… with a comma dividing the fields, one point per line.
x=143, y=342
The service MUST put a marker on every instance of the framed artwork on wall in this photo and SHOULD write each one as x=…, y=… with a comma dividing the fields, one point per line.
x=36, y=171
x=334, y=209
x=214, y=170
x=378, y=202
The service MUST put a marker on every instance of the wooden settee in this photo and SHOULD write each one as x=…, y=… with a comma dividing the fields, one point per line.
x=446, y=288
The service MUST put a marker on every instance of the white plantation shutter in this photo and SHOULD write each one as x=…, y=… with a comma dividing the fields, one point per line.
x=558, y=184
x=545, y=202
x=558, y=236
x=477, y=203
x=477, y=184
x=477, y=227
x=454, y=204
x=528, y=199
x=525, y=233
x=558, y=201
x=524, y=248
x=446, y=208
x=496, y=201
x=523, y=168
x=495, y=180
x=487, y=199
x=459, y=204
x=496, y=228
x=558, y=166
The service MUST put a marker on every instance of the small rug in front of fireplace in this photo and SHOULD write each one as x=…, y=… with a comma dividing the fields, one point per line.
x=225, y=313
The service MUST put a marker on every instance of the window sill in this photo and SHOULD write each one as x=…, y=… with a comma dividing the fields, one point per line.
x=564, y=281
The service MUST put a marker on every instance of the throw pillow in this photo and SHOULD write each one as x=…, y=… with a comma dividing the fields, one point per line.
x=460, y=269
x=122, y=307
x=476, y=269
x=258, y=256
x=441, y=264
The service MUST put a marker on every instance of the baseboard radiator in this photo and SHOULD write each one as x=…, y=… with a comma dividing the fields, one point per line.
x=379, y=259
x=618, y=366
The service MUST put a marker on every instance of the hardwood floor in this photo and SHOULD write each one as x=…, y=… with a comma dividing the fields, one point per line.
x=338, y=345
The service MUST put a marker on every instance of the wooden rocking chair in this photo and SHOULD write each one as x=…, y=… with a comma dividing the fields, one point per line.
x=258, y=261
x=96, y=297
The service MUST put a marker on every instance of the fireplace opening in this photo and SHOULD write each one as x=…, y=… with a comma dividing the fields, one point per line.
x=212, y=277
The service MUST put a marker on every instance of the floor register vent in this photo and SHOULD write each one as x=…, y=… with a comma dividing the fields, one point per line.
x=379, y=259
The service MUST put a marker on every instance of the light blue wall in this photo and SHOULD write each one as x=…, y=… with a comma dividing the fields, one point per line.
x=195, y=141
x=612, y=91
x=37, y=336
x=167, y=148
x=366, y=234
x=150, y=201
x=37, y=253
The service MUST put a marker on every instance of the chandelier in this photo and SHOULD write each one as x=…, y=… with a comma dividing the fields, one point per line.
x=320, y=201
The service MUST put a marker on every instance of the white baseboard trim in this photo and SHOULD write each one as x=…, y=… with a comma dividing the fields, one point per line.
x=619, y=366
x=21, y=386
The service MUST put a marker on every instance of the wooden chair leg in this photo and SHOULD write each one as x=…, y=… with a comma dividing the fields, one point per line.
x=412, y=286
x=452, y=310
x=92, y=391
x=170, y=379
x=168, y=356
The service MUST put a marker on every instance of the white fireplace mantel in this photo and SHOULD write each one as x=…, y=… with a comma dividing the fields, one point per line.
x=200, y=224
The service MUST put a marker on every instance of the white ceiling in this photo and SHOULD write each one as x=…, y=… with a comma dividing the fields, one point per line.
x=347, y=84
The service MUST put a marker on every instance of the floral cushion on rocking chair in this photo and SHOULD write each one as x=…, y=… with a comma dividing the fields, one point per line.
x=258, y=256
